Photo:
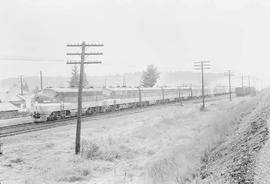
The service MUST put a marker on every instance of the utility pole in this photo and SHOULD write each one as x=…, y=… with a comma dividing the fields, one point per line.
x=249, y=83
x=242, y=82
x=202, y=65
x=189, y=85
x=41, y=82
x=21, y=85
x=105, y=83
x=191, y=91
x=124, y=82
x=82, y=62
x=180, y=96
x=229, y=73
x=254, y=82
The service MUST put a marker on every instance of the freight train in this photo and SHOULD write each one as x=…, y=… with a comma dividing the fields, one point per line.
x=58, y=103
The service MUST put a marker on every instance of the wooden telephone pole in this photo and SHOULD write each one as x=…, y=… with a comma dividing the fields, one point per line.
x=242, y=82
x=41, y=82
x=249, y=83
x=21, y=80
x=180, y=96
x=124, y=82
x=81, y=63
x=202, y=65
x=229, y=74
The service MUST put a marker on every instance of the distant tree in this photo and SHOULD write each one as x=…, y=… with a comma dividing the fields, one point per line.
x=36, y=90
x=25, y=87
x=150, y=76
x=75, y=78
x=85, y=81
x=15, y=85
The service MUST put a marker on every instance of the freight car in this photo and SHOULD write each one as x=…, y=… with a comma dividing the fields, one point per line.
x=243, y=91
x=58, y=103
x=221, y=90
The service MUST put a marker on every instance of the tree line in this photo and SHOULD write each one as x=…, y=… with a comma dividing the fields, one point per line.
x=149, y=77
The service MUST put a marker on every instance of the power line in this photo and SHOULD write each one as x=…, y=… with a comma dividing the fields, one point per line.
x=53, y=60
x=29, y=59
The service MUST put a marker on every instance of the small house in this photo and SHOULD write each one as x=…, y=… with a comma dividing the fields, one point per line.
x=8, y=110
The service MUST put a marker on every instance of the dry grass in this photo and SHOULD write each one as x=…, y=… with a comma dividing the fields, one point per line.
x=103, y=149
x=97, y=156
x=172, y=149
x=164, y=146
x=179, y=163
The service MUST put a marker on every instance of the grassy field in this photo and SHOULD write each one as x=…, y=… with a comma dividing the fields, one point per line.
x=163, y=144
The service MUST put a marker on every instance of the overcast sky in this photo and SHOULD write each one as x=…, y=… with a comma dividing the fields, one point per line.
x=171, y=34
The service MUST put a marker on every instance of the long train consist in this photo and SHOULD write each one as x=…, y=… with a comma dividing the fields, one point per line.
x=58, y=103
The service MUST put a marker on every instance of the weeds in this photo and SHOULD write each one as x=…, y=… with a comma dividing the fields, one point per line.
x=104, y=149
x=89, y=150
x=177, y=163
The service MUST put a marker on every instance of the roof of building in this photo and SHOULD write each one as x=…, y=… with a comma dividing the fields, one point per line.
x=6, y=106
x=121, y=89
x=72, y=89
x=16, y=98
x=144, y=89
x=12, y=95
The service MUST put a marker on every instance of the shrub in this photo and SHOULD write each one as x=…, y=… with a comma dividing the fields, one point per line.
x=89, y=150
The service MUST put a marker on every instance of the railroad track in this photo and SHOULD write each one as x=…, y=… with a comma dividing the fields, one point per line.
x=17, y=129
x=31, y=126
